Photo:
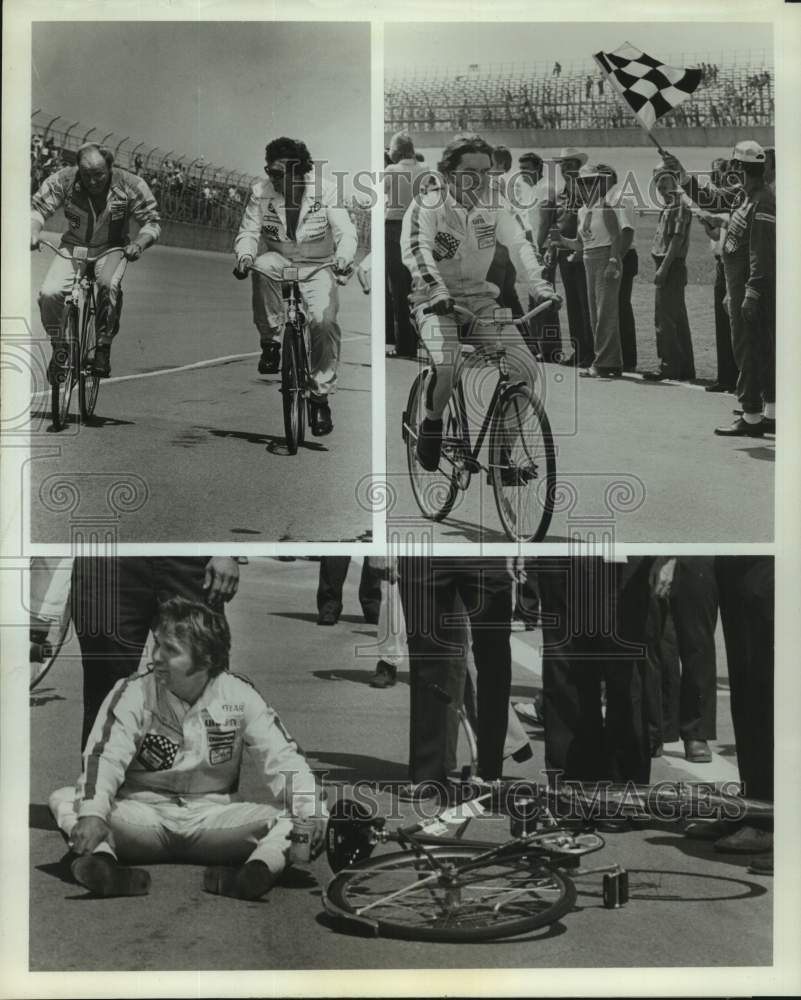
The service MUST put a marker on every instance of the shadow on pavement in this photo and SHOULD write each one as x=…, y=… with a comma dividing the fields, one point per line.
x=40, y=817
x=42, y=698
x=358, y=767
x=668, y=886
x=275, y=443
x=703, y=850
x=308, y=616
x=59, y=869
x=355, y=676
x=761, y=453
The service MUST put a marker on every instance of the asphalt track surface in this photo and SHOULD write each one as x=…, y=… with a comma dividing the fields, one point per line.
x=198, y=454
x=635, y=461
x=690, y=906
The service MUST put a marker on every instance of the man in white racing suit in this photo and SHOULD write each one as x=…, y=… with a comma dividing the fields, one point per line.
x=99, y=202
x=448, y=243
x=293, y=217
x=161, y=772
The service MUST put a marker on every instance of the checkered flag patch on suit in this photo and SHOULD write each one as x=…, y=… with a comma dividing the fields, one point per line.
x=158, y=752
x=649, y=87
x=445, y=246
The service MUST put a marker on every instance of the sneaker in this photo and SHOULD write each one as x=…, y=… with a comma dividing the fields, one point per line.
x=101, y=363
x=762, y=864
x=746, y=840
x=706, y=830
x=429, y=444
x=321, y=422
x=250, y=881
x=516, y=475
x=270, y=360
x=104, y=876
x=385, y=675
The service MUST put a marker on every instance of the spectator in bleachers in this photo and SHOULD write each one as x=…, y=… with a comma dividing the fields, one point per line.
x=562, y=215
x=557, y=69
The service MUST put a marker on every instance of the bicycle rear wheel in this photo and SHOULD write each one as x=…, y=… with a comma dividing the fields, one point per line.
x=292, y=389
x=88, y=382
x=435, y=492
x=522, y=461
x=407, y=896
x=61, y=391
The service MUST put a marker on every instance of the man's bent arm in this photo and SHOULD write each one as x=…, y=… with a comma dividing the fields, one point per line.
x=48, y=199
x=344, y=232
x=762, y=250
x=146, y=213
x=246, y=243
x=512, y=233
x=417, y=248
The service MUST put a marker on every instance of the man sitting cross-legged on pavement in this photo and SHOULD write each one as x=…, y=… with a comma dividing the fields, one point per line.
x=162, y=767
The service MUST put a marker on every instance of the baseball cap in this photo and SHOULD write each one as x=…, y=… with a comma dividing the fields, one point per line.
x=748, y=151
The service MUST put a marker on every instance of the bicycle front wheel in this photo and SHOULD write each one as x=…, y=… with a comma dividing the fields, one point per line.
x=88, y=382
x=451, y=894
x=522, y=465
x=292, y=389
x=435, y=492
x=61, y=389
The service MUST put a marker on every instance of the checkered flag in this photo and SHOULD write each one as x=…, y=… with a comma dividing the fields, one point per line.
x=649, y=87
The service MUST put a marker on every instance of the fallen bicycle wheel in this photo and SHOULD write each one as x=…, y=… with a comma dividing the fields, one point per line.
x=450, y=894
x=522, y=462
x=435, y=492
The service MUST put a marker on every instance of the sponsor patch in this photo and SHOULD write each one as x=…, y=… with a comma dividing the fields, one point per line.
x=445, y=246
x=485, y=235
x=270, y=232
x=157, y=752
x=221, y=745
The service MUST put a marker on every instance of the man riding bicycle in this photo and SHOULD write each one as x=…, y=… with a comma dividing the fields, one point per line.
x=293, y=218
x=448, y=242
x=99, y=200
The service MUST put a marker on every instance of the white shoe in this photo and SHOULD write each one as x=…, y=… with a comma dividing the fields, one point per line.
x=528, y=711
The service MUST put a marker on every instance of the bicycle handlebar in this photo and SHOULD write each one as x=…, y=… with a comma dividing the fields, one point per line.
x=88, y=260
x=330, y=264
x=481, y=321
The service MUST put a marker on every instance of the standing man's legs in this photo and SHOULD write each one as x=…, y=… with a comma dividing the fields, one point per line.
x=400, y=282
x=333, y=570
x=574, y=280
x=628, y=334
x=727, y=369
x=694, y=601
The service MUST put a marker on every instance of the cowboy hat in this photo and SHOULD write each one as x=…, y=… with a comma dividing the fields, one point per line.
x=570, y=153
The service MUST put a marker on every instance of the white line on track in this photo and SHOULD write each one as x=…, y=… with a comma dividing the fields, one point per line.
x=208, y=363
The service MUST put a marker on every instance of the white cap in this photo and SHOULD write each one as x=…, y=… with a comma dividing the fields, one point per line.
x=748, y=151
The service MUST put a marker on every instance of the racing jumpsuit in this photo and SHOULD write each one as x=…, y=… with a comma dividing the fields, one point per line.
x=749, y=265
x=128, y=197
x=324, y=230
x=448, y=250
x=164, y=776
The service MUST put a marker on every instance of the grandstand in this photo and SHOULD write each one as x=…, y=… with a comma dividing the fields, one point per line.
x=738, y=90
x=193, y=195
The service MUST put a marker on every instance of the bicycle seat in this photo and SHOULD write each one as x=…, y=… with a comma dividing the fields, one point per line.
x=349, y=834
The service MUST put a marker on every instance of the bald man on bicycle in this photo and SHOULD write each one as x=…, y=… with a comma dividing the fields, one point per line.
x=293, y=217
x=99, y=201
x=448, y=243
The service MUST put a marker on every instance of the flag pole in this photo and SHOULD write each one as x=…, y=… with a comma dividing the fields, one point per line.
x=653, y=139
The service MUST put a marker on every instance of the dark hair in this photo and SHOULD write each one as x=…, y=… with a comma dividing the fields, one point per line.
x=289, y=149
x=467, y=142
x=749, y=169
x=534, y=158
x=204, y=631
x=93, y=147
x=502, y=157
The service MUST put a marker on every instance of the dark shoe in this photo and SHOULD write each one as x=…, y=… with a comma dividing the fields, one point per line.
x=327, y=618
x=370, y=616
x=429, y=444
x=704, y=830
x=270, y=360
x=104, y=876
x=522, y=754
x=718, y=387
x=321, y=422
x=762, y=864
x=697, y=751
x=250, y=881
x=101, y=363
x=654, y=376
x=385, y=675
x=594, y=372
x=746, y=840
x=769, y=425
x=656, y=750
x=516, y=476
x=740, y=428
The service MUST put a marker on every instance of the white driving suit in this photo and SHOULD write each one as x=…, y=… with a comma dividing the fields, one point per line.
x=324, y=230
x=164, y=776
x=448, y=250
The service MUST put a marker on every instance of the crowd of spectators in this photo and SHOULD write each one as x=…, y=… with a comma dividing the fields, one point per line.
x=576, y=98
x=46, y=159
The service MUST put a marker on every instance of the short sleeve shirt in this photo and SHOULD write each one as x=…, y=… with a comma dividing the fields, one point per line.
x=673, y=219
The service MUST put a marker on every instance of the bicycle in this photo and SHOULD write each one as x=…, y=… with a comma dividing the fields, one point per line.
x=78, y=348
x=295, y=353
x=521, y=463
x=48, y=631
x=444, y=887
